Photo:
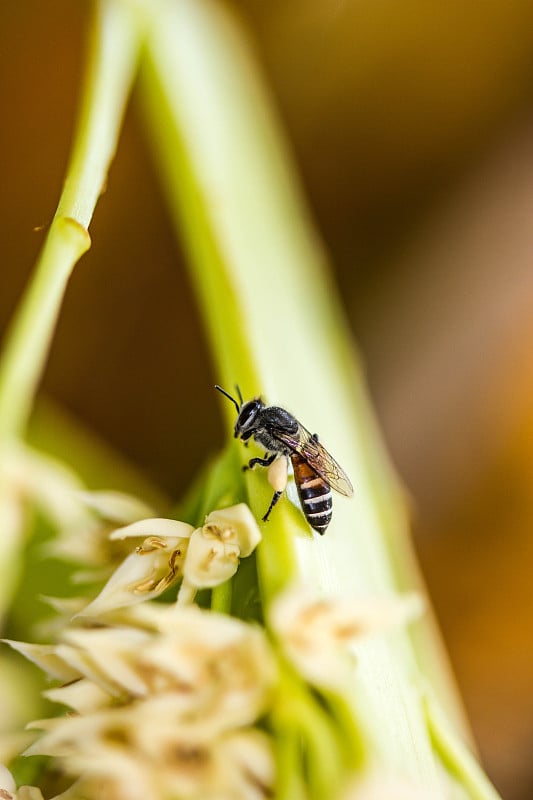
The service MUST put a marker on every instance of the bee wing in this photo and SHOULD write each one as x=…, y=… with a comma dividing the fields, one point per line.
x=318, y=458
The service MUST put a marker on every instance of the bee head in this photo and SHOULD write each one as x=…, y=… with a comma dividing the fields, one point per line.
x=247, y=413
x=247, y=419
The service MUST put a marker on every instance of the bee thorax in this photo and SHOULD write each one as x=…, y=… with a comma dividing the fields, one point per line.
x=270, y=443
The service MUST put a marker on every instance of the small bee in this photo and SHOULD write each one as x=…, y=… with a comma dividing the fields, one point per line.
x=315, y=471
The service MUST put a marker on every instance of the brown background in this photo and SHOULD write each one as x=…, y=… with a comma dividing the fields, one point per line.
x=412, y=126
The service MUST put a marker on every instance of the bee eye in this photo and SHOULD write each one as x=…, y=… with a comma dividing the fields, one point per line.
x=247, y=414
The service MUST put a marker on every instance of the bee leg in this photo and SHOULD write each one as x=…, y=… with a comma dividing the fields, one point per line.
x=273, y=502
x=265, y=462
x=244, y=438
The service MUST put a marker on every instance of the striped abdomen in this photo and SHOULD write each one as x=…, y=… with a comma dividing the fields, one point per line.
x=314, y=492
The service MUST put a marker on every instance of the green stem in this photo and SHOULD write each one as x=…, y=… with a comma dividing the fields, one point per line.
x=351, y=740
x=30, y=334
x=221, y=597
x=113, y=53
x=290, y=783
x=455, y=755
x=114, y=49
x=298, y=716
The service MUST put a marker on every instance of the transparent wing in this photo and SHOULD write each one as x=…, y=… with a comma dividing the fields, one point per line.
x=318, y=458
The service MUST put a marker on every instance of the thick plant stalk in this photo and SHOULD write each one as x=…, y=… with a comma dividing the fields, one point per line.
x=113, y=55
x=277, y=328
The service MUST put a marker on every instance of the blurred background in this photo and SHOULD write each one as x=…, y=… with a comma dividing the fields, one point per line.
x=412, y=127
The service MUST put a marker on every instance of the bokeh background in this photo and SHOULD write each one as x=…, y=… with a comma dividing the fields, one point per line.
x=412, y=127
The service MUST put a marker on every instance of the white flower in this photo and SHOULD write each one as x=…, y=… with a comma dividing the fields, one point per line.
x=234, y=525
x=220, y=668
x=157, y=527
x=215, y=549
x=164, y=709
x=248, y=754
x=204, y=557
x=45, y=656
x=28, y=793
x=140, y=752
x=154, y=566
x=81, y=695
x=8, y=788
x=316, y=633
x=216, y=672
x=210, y=560
x=7, y=782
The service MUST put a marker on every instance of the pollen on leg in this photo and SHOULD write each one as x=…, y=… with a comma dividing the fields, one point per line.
x=278, y=474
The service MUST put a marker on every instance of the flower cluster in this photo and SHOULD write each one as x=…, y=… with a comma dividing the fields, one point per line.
x=166, y=700
x=171, y=551
x=164, y=706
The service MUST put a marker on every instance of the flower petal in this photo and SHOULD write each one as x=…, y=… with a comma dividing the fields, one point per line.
x=7, y=781
x=157, y=526
x=83, y=696
x=109, y=656
x=47, y=658
x=234, y=525
x=209, y=561
x=116, y=506
x=143, y=575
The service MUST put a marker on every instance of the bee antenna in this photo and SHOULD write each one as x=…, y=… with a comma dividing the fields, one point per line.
x=223, y=391
x=239, y=393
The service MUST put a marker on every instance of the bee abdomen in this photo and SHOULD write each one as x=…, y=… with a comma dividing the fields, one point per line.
x=318, y=512
x=314, y=493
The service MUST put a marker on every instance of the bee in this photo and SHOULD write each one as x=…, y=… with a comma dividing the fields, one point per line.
x=315, y=471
